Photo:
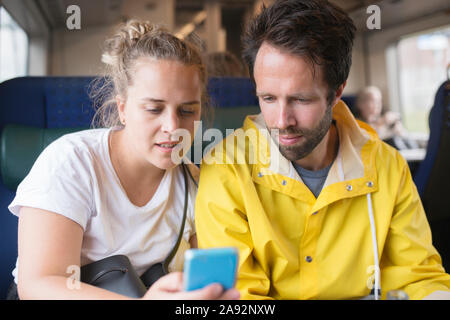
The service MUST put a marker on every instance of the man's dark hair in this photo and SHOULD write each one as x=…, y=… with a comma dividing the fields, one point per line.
x=313, y=29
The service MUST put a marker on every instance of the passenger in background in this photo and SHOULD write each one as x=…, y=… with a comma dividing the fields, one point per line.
x=369, y=108
x=116, y=190
x=225, y=64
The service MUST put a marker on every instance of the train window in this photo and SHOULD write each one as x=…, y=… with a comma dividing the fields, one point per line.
x=13, y=47
x=423, y=60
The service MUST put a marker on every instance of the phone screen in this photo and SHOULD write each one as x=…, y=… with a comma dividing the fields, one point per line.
x=203, y=267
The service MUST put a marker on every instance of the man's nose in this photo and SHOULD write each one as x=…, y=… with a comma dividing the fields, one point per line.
x=285, y=116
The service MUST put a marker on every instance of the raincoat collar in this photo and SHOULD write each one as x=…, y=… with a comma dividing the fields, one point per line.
x=352, y=172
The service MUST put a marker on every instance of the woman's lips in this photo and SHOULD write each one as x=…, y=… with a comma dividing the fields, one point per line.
x=166, y=147
x=289, y=140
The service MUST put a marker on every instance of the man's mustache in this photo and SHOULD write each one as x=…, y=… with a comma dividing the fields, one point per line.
x=291, y=131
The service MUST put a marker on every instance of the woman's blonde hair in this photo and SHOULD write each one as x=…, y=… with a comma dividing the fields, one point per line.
x=133, y=40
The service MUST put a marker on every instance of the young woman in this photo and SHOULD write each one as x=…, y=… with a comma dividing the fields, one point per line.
x=109, y=191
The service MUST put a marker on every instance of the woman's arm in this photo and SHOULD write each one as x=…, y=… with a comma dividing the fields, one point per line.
x=50, y=243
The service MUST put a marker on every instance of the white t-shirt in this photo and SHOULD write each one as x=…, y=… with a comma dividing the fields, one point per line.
x=74, y=177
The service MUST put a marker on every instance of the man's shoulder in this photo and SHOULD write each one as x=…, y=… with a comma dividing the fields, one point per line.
x=388, y=152
x=389, y=161
x=382, y=151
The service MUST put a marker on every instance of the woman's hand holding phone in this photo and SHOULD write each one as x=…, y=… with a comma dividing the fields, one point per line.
x=209, y=274
x=170, y=287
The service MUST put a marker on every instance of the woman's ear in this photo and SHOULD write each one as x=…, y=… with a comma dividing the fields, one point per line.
x=120, y=108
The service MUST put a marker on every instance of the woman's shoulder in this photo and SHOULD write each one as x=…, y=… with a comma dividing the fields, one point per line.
x=83, y=138
x=78, y=149
x=85, y=141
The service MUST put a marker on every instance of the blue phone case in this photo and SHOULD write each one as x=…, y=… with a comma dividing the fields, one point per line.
x=206, y=266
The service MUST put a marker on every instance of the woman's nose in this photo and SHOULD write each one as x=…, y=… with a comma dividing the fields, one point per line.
x=170, y=122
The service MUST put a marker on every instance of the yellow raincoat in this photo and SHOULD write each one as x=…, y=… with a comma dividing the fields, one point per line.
x=294, y=246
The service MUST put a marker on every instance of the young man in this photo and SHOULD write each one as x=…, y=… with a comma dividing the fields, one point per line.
x=320, y=208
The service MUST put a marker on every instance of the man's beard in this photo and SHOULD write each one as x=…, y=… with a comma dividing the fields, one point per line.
x=311, y=138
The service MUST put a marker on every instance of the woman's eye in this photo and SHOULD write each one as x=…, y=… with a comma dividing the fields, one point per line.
x=268, y=99
x=153, y=110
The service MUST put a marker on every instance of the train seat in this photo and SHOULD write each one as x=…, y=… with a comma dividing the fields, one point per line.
x=29, y=106
x=433, y=174
x=34, y=111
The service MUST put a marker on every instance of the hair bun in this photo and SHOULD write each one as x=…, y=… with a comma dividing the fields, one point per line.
x=126, y=37
x=136, y=29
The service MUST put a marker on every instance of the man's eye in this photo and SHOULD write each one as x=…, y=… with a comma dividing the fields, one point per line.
x=187, y=111
x=302, y=100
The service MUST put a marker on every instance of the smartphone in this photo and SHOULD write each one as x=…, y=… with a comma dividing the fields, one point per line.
x=206, y=266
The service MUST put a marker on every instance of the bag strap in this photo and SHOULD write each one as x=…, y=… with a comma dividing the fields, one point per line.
x=192, y=178
x=180, y=235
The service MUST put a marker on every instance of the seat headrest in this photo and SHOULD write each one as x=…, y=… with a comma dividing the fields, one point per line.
x=19, y=148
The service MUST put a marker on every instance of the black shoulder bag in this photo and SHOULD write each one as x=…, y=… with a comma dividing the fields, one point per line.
x=116, y=273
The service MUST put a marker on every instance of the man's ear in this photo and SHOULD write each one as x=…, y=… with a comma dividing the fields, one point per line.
x=338, y=93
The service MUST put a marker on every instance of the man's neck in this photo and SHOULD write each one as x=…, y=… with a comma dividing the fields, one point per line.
x=324, y=154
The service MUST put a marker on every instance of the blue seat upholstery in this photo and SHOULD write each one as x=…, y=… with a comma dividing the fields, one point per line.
x=41, y=102
x=46, y=102
x=230, y=92
x=63, y=102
